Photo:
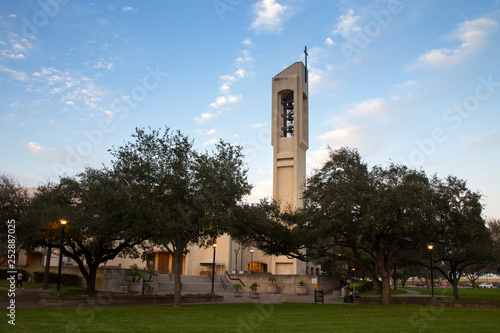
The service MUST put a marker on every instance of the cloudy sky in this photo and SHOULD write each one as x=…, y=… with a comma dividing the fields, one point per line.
x=414, y=82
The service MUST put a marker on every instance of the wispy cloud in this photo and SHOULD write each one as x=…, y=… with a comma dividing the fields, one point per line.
x=14, y=46
x=225, y=97
x=491, y=139
x=347, y=24
x=473, y=36
x=129, y=9
x=269, y=16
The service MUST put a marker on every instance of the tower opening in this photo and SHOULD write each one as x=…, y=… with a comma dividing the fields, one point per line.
x=287, y=114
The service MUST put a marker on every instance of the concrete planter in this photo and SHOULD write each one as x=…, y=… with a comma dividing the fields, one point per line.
x=272, y=289
x=135, y=287
x=237, y=293
x=301, y=290
x=254, y=294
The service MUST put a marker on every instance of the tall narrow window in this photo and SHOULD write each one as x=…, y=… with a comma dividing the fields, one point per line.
x=287, y=114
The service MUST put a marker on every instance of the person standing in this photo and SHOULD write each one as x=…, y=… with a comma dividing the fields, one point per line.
x=19, y=279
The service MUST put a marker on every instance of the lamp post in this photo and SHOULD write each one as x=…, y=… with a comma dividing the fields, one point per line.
x=430, y=247
x=213, y=268
x=251, y=260
x=236, y=260
x=63, y=223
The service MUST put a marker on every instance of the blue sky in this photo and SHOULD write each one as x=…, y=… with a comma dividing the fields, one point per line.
x=414, y=82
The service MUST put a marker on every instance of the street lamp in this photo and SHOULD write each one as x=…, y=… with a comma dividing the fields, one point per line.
x=236, y=261
x=63, y=223
x=430, y=247
x=213, y=268
x=251, y=260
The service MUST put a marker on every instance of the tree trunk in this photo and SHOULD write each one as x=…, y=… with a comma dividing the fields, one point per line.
x=454, y=284
x=177, y=278
x=91, y=278
x=47, y=268
x=386, y=289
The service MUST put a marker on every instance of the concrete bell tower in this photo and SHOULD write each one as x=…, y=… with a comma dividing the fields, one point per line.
x=290, y=134
x=290, y=140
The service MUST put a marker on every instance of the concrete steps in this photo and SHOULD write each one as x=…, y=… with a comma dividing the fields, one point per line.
x=195, y=284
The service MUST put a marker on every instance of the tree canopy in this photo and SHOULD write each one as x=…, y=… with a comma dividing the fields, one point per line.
x=190, y=195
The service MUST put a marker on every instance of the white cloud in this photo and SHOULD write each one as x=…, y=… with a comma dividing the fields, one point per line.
x=473, y=37
x=129, y=9
x=260, y=125
x=347, y=24
x=210, y=142
x=329, y=42
x=492, y=139
x=21, y=76
x=34, y=147
x=226, y=82
x=102, y=64
x=223, y=100
x=19, y=48
x=372, y=107
x=268, y=16
x=205, y=117
x=12, y=15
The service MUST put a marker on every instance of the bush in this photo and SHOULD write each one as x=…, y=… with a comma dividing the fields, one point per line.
x=363, y=286
x=66, y=279
x=4, y=275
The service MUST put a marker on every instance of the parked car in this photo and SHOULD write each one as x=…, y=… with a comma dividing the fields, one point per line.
x=419, y=284
x=467, y=284
x=485, y=285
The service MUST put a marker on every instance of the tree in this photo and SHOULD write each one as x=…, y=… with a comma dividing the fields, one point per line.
x=362, y=217
x=106, y=218
x=462, y=238
x=13, y=202
x=474, y=272
x=191, y=195
x=494, y=227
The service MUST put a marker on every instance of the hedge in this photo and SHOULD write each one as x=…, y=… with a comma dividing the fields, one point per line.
x=66, y=279
x=363, y=286
x=4, y=275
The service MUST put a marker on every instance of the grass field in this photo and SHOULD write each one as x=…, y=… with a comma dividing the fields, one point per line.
x=466, y=294
x=255, y=317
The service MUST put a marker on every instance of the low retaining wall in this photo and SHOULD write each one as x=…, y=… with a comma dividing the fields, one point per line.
x=436, y=303
x=286, y=283
x=101, y=300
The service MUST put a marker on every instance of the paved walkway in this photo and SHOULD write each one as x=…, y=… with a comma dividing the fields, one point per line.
x=276, y=298
x=28, y=299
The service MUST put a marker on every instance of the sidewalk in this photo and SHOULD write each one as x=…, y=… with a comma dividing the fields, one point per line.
x=275, y=298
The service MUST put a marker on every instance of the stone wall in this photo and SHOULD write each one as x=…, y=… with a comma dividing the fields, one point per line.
x=286, y=283
x=107, y=279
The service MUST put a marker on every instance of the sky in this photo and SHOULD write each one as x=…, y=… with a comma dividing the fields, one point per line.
x=411, y=82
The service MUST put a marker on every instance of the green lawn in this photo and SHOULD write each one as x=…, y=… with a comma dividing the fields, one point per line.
x=254, y=317
x=35, y=286
x=466, y=294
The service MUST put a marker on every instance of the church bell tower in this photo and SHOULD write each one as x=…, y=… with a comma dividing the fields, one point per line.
x=290, y=140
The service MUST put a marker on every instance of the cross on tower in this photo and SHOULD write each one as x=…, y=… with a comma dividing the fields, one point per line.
x=306, y=54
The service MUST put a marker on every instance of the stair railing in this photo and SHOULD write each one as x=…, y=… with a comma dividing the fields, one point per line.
x=234, y=279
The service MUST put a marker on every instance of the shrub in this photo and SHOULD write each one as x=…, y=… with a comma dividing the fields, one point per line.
x=66, y=279
x=362, y=286
x=4, y=275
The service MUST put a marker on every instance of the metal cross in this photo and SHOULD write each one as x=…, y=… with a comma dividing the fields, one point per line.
x=306, y=54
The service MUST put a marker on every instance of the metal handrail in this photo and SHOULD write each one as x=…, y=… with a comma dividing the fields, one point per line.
x=234, y=279
x=222, y=283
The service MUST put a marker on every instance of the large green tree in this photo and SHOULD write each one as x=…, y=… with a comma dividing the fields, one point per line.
x=106, y=219
x=462, y=238
x=363, y=217
x=191, y=195
x=494, y=227
x=14, y=200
